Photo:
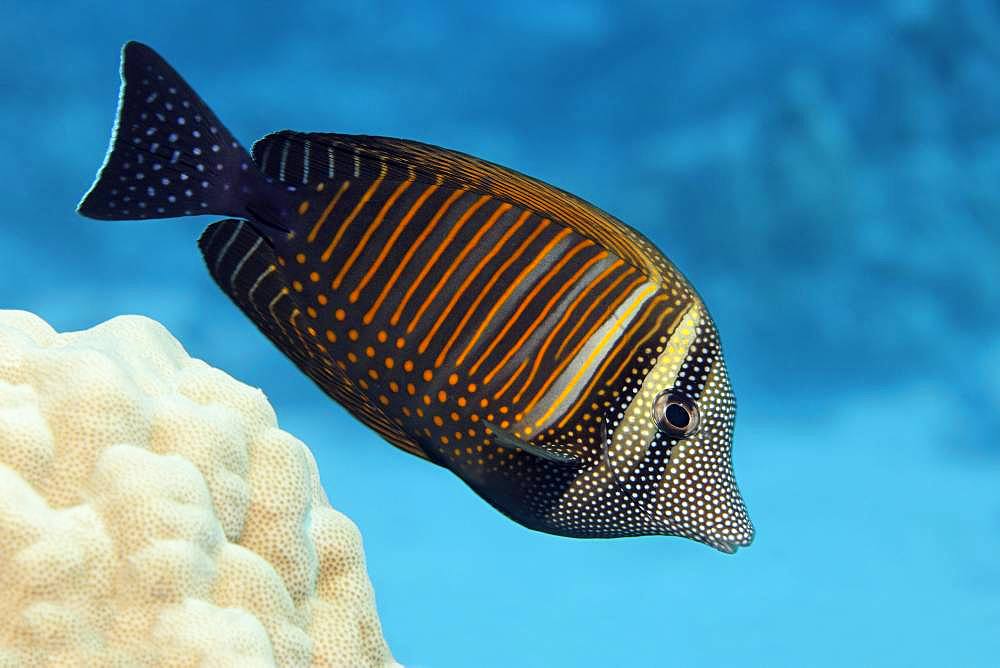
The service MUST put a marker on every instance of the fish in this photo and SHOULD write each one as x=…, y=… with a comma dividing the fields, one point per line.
x=540, y=349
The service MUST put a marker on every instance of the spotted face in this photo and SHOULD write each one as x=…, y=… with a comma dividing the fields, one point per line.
x=673, y=453
x=667, y=447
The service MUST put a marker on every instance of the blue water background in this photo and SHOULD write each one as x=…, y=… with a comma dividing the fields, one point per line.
x=826, y=173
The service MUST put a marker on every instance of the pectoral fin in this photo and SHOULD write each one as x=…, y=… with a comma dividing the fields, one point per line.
x=508, y=440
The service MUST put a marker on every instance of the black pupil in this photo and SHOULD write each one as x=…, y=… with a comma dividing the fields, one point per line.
x=677, y=416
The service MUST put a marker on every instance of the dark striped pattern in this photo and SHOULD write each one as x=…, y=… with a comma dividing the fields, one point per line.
x=464, y=287
x=244, y=266
x=432, y=305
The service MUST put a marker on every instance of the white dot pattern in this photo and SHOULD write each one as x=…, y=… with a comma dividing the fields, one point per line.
x=165, y=138
x=646, y=482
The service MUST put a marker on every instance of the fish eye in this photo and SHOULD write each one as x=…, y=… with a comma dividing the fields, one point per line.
x=675, y=414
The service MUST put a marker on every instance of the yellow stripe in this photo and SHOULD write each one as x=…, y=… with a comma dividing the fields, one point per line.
x=391, y=242
x=452, y=233
x=593, y=353
x=630, y=358
x=593, y=330
x=541, y=316
x=559, y=325
x=597, y=376
x=592, y=306
x=326, y=212
x=350, y=218
x=370, y=315
x=400, y=189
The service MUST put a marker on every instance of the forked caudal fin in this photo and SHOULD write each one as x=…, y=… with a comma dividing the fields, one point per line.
x=169, y=154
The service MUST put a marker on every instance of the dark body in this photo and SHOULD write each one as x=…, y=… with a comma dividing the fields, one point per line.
x=472, y=316
x=429, y=331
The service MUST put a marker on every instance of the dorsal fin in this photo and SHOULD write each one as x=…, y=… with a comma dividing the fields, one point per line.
x=243, y=264
x=304, y=158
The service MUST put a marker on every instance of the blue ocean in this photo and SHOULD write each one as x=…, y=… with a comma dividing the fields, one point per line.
x=827, y=174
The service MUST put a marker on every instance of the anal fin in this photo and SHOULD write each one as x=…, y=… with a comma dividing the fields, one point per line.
x=243, y=264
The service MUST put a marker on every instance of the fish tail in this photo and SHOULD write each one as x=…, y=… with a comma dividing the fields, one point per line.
x=169, y=154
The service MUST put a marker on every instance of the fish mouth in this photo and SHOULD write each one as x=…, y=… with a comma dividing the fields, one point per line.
x=727, y=540
x=728, y=547
x=731, y=545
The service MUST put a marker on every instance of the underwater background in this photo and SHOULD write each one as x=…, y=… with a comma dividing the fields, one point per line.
x=827, y=174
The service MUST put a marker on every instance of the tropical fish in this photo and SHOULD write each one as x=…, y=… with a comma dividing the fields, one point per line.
x=542, y=350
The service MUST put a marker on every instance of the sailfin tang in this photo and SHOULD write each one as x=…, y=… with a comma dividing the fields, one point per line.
x=244, y=265
x=169, y=155
x=508, y=440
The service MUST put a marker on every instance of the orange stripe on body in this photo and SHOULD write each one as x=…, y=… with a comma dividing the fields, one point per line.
x=468, y=280
x=510, y=381
x=489, y=285
x=350, y=218
x=456, y=263
x=590, y=358
x=562, y=322
x=597, y=376
x=592, y=306
x=326, y=212
x=565, y=232
x=370, y=315
x=635, y=349
x=400, y=189
x=452, y=233
x=391, y=242
x=597, y=325
x=544, y=312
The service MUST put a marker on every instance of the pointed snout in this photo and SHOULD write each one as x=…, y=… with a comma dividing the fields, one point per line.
x=731, y=539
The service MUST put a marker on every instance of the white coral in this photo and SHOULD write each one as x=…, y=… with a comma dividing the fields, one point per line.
x=152, y=513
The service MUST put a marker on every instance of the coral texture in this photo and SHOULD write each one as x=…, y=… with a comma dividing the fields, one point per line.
x=152, y=513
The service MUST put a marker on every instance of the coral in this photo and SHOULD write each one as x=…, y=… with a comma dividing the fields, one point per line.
x=152, y=513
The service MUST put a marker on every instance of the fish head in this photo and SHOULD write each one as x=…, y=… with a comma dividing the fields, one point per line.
x=669, y=444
